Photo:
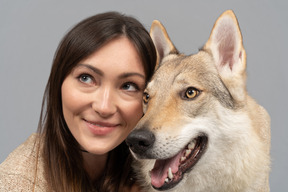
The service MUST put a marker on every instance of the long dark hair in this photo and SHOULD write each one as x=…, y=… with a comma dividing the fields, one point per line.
x=63, y=160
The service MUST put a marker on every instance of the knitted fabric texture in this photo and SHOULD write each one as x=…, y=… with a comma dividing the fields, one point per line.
x=23, y=170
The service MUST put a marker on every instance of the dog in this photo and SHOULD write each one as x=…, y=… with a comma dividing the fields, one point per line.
x=201, y=131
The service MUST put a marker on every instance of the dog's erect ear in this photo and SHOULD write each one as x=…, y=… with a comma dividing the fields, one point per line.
x=162, y=42
x=225, y=44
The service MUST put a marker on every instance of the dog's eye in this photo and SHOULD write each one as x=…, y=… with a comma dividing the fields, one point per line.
x=191, y=93
x=146, y=97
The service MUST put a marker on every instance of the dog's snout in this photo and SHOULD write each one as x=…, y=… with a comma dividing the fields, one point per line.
x=140, y=140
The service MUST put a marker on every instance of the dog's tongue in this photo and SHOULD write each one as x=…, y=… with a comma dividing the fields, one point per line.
x=160, y=171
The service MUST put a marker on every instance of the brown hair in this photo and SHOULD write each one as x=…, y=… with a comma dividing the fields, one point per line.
x=63, y=159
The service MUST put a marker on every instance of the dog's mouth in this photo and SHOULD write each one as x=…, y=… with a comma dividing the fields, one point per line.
x=168, y=173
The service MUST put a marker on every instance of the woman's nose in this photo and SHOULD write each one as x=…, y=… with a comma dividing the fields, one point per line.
x=104, y=102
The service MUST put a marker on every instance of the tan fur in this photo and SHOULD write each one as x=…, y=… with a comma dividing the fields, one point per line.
x=237, y=157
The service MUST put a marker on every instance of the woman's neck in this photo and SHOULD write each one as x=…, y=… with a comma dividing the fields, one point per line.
x=94, y=164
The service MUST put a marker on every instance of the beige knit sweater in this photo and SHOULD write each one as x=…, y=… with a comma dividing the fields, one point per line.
x=23, y=170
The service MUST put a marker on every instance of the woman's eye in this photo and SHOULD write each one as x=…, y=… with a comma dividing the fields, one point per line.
x=85, y=78
x=130, y=87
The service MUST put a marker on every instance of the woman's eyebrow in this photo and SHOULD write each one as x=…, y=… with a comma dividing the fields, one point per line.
x=125, y=75
x=95, y=70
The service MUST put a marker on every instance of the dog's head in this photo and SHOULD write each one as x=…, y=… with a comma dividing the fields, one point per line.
x=187, y=103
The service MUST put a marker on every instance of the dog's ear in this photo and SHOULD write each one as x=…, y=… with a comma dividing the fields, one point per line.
x=225, y=44
x=162, y=42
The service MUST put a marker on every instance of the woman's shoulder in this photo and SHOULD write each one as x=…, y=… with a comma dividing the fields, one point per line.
x=22, y=155
x=18, y=170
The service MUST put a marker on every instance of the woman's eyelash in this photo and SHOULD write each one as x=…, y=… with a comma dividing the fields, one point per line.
x=131, y=85
x=88, y=79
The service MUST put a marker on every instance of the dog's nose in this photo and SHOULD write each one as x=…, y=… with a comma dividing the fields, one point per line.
x=140, y=140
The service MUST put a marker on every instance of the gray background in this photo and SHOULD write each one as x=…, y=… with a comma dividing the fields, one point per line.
x=30, y=31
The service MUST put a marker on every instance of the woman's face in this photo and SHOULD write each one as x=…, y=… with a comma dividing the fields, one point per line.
x=102, y=96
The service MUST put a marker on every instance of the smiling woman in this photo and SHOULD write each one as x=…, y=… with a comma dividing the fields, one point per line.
x=92, y=101
x=118, y=86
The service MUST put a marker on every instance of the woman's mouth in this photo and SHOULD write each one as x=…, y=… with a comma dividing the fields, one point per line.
x=100, y=128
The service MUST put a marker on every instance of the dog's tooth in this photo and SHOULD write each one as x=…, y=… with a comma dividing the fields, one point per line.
x=170, y=174
x=187, y=152
x=197, y=152
x=191, y=145
x=166, y=180
x=183, y=159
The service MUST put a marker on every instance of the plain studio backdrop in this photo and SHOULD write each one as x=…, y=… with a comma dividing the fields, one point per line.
x=30, y=31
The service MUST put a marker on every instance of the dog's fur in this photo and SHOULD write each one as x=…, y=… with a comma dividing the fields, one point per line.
x=204, y=94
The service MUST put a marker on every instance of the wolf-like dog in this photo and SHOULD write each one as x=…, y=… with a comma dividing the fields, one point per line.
x=201, y=131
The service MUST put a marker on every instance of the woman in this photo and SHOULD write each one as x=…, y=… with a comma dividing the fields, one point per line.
x=92, y=101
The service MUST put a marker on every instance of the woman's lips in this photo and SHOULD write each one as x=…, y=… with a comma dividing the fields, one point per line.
x=100, y=128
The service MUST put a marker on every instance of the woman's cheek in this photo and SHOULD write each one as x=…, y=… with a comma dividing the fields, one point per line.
x=134, y=113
